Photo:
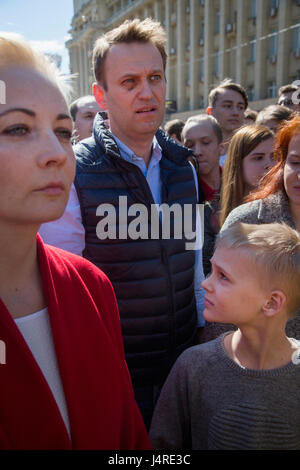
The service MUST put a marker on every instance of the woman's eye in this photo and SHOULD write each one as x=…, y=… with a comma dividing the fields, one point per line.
x=18, y=130
x=64, y=133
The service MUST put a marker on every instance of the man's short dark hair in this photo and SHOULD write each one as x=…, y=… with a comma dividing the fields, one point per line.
x=226, y=84
x=275, y=112
x=251, y=114
x=83, y=100
x=287, y=89
x=174, y=127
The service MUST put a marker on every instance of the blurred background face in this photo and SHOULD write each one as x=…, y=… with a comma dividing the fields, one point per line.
x=291, y=174
x=36, y=156
x=257, y=163
x=202, y=140
x=272, y=124
x=229, y=110
x=84, y=119
x=290, y=100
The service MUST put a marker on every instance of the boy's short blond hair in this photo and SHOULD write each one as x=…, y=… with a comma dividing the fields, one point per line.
x=128, y=32
x=15, y=51
x=275, y=250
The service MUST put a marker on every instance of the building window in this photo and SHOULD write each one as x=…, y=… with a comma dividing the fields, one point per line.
x=201, y=74
x=272, y=90
x=253, y=9
x=275, y=4
x=188, y=76
x=296, y=39
x=250, y=93
x=217, y=70
x=201, y=36
x=273, y=45
x=252, y=50
x=217, y=22
x=188, y=38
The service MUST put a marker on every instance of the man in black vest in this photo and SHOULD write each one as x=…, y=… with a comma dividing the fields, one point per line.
x=130, y=167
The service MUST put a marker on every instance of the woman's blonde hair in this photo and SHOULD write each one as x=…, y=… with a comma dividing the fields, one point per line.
x=15, y=51
x=275, y=250
x=242, y=143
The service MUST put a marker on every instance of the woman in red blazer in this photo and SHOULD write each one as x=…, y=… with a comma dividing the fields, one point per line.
x=64, y=383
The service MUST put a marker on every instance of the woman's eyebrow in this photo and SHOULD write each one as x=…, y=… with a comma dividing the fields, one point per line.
x=30, y=113
x=18, y=110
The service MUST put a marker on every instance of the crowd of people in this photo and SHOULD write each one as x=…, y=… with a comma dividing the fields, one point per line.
x=118, y=333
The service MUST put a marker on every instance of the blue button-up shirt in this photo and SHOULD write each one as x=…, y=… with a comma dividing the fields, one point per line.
x=152, y=172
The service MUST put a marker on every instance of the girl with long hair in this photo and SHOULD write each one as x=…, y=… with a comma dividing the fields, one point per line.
x=250, y=156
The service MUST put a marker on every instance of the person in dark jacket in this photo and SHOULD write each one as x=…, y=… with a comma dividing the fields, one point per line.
x=125, y=172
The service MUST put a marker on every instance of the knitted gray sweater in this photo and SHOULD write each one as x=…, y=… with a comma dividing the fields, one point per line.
x=274, y=208
x=209, y=402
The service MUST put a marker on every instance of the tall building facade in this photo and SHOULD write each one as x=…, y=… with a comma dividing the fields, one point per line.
x=254, y=42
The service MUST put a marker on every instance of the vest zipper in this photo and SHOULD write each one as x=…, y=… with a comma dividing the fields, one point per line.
x=165, y=262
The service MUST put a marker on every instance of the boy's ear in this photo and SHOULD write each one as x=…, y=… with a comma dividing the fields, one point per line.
x=209, y=110
x=99, y=95
x=275, y=303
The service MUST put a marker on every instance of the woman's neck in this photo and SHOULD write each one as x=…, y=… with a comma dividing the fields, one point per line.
x=20, y=280
x=268, y=350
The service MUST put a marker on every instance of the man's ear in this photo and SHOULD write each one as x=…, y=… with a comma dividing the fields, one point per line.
x=209, y=110
x=99, y=95
x=275, y=303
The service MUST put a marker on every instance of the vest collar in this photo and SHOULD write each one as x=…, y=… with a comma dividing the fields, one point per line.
x=170, y=149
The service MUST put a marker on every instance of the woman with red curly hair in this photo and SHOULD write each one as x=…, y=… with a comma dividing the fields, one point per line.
x=276, y=200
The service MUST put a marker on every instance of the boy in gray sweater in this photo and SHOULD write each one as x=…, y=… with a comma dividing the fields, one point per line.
x=241, y=390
